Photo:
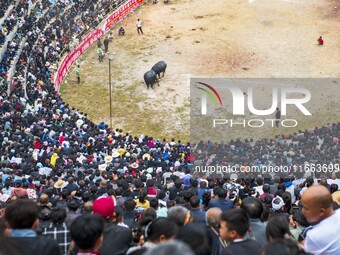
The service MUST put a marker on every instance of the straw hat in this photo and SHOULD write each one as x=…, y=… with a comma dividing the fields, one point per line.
x=108, y=158
x=115, y=154
x=134, y=165
x=60, y=184
x=149, y=170
x=146, y=156
x=79, y=123
x=102, y=167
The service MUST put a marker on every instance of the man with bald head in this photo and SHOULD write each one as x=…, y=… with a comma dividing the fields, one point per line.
x=317, y=207
x=213, y=217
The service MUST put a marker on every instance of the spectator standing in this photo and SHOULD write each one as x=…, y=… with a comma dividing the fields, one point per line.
x=221, y=202
x=116, y=238
x=259, y=187
x=19, y=191
x=22, y=218
x=278, y=228
x=99, y=43
x=180, y=215
x=106, y=44
x=71, y=186
x=201, y=244
x=139, y=26
x=100, y=54
x=274, y=186
x=255, y=210
x=78, y=73
x=73, y=205
x=317, y=207
x=58, y=229
x=196, y=212
x=277, y=117
x=213, y=217
x=155, y=232
x=142, y=201
x=234, y=226
x=87, y=233
x=266, y=190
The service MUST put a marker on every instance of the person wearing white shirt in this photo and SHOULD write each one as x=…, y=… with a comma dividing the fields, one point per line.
x=259, y=187
x=139, y=26
x=317, y=206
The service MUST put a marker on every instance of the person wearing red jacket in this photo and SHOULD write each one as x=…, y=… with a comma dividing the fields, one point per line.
x=320, y=41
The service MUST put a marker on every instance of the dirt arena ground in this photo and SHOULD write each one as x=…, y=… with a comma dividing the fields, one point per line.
x=235, y=38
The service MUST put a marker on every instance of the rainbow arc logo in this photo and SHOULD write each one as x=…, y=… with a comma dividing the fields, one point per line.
x=211, y=92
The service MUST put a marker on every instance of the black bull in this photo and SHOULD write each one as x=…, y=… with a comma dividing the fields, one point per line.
x=159, y=68
x=150, y=78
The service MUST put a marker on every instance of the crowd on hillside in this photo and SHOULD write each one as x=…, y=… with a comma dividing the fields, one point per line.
x=58, y=167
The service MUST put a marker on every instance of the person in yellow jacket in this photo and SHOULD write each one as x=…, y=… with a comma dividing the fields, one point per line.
x=53, y=160
x=142, y=201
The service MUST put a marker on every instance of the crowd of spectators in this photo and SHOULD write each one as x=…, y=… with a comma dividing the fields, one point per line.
x=314, y=146
x=4, y=7
x=142, y=210
x=58, y=167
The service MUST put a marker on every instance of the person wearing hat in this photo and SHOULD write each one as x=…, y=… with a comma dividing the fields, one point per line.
x=134, y=165
x=278, y=207
x=115, y=154
x=60, y=184
x=116, y=238
x=146, y=156
x=108, y=159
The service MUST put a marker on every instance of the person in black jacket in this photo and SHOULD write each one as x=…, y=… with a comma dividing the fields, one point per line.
x=234, y=226
x=87, y=233
x=116, y=238
x=22, y=218
x=176, y=190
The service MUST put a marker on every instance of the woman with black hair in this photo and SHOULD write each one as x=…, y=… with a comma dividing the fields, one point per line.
x=283, y=247
x=278, y=228
x=202, y=243
x=8, y=186
x=206, y=197
x=142, y=201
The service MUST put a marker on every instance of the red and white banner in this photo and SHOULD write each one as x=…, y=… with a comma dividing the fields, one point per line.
x=121, y=13
x=90, y=39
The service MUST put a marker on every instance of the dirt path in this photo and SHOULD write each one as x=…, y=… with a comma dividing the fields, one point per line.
x=236, y=38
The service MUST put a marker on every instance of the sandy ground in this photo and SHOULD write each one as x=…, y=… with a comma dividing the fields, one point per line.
x=235, y=38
